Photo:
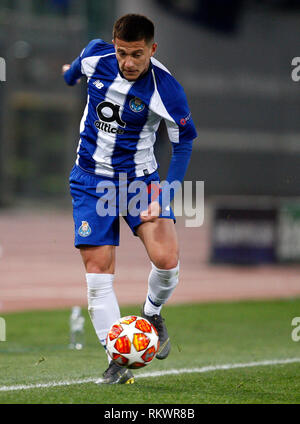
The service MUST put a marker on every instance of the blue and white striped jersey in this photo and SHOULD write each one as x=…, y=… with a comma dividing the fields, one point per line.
x=119, y=124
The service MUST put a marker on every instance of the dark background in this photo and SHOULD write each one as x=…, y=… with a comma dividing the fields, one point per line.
x=232, y=57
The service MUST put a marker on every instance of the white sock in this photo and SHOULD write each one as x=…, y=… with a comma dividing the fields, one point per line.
x=161, y=284
x=102, y=304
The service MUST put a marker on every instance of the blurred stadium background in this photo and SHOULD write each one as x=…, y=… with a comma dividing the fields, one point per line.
x=234, y=60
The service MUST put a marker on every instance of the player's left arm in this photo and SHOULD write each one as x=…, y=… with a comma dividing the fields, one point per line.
x=182, y=132
x=181, y=155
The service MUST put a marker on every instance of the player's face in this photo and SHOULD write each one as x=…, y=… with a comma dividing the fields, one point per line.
x=133, y=57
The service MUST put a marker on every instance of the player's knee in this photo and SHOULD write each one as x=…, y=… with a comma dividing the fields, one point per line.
x=97, y=268
x=98, y=261
x=168, y=261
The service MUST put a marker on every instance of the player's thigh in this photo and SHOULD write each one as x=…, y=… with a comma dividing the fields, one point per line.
x=93, y=226
x=161, y=242
x=99, y=259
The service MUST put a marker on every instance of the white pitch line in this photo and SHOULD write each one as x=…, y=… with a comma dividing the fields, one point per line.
x=156, y=374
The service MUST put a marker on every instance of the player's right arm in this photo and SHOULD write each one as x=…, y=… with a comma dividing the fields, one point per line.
x=85, y=63
x=72, y=73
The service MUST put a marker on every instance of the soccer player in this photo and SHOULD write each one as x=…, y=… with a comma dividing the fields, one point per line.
x=129, y=92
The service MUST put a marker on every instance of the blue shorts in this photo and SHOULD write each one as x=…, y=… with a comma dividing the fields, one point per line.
x=99, y=201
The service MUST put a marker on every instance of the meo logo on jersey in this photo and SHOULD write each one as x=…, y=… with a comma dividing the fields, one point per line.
x=107, y=113
x=84, y=230
x=136, y=105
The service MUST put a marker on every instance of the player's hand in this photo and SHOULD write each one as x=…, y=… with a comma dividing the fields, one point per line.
x=152, y=213
x=65, y=67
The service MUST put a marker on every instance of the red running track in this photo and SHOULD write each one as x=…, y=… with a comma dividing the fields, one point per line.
x=40, y=268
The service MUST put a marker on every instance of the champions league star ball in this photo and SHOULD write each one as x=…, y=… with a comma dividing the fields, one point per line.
x=132, y=342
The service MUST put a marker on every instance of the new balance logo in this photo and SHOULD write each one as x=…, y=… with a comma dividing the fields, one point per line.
x=98, y=84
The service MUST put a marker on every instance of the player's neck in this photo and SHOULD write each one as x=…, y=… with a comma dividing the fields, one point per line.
x=142, y=75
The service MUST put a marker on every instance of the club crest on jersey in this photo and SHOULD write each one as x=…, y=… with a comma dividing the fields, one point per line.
x=84, y=229
x=136, y=105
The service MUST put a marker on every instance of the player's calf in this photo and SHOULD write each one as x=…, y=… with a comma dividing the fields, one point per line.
x=161, y=284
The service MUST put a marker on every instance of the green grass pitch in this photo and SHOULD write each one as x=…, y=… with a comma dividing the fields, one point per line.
x=212, y=334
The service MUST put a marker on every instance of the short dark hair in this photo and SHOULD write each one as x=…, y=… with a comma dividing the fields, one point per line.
x=133, y=27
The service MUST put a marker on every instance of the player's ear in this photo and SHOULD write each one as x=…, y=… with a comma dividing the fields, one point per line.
x=153, y=48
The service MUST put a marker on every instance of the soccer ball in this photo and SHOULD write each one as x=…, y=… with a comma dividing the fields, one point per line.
x=132, y=342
